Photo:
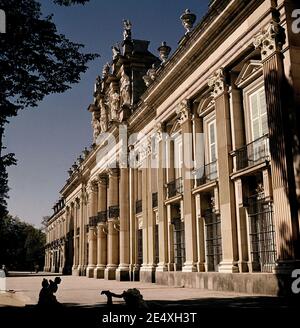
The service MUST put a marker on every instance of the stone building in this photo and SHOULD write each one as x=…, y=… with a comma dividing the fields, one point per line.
x=193, y=175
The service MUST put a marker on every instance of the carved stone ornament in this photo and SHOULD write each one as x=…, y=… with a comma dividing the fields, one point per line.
x=217, y=83
x=270, y=39
x=102, y=180
x=103, y=115
x=158, y=132
x=150, y=75
x=96, y=127
x=125, y=90
x=183, y=111
x=114, y=106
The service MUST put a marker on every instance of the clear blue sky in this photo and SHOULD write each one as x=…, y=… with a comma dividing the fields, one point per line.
x=47, y=139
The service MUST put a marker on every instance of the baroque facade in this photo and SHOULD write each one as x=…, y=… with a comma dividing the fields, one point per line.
x=193, y=175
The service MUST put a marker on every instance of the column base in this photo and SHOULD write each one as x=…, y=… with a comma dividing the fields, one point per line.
x=243, y=266
x=189, y=267
x=134, y=273
x=90, y=271
x=99, y=272
x=228, y=267
x=147, y=273
x=161, y=267
x=201, y=267
x=122, y=273
x=81, y=270
x=75, y=272
x=110, y=272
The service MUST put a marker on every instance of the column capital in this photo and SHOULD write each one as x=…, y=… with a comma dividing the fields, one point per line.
x=217, y=83
x=183, y=111
x=92, y=186
x=270, y=39
x=102, y=180
x=159, y=130
x=113, y=172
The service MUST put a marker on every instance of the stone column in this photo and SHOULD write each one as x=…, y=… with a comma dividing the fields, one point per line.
x=162, y=215
x=82, y=233
x=242, y=230
x=76, y=209
x=92, y=251
x=92, y=234
x=189, y=209
x=150, y=277
x=122, y=273
x=101, y=235
x=170, y=238
x=226, y=189
x=145, y=191
x=113, y=235
x=133, y=176
x=200, y=235
x=270, y=42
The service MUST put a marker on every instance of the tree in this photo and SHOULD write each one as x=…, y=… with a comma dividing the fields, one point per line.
x=21, y=244
x=35, y=61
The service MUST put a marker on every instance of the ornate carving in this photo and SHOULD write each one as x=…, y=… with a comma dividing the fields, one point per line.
x=113, y=172
x=96, y=127
x=102, y=180
x=270, y=40
x=183, y=111
x=116, y=51
x=150, y=75
x=127, y=29
x=106, y=70
x=159, y=132
x=217, y=83
x=103, y=115
x=125, y=90
x=114, y=105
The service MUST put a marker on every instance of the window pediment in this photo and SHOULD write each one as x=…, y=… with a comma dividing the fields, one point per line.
x=250, y=71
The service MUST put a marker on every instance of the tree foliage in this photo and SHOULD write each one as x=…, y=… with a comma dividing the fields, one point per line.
x=35, y=60
x=21, y=244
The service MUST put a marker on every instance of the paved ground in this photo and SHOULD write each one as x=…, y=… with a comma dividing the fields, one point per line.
x=86, y=291
x=85, y=307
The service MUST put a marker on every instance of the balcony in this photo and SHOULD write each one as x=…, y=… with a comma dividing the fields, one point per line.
x=206, y=174
x=138, y=206
x=174, y=188
x=253, y=153
x=113, y=211
x=102, y=216
x=154, y=199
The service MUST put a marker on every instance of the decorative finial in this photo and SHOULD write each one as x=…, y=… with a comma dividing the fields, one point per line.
x=75, y=166
x=70, y=172
x=164, y=51
x=188, y=19
x=85, y=152
x=80, y=160
x=127, y=29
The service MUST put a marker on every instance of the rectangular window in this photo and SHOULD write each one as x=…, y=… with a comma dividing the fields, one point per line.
x=258, y=114
x=178, y=156
x=212, y=142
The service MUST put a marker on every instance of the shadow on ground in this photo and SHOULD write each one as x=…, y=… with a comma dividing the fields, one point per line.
x=253, y=310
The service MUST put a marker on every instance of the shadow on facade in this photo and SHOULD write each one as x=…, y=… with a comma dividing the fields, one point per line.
x=284, y=136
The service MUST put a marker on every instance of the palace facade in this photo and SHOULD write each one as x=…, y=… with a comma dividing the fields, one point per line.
x=193, y=175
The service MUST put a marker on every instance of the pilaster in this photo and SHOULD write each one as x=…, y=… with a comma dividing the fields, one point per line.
x=226, y=189
x=270, y=42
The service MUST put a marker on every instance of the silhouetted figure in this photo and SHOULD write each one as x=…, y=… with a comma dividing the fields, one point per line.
x=132, y=297
x=49, y=288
